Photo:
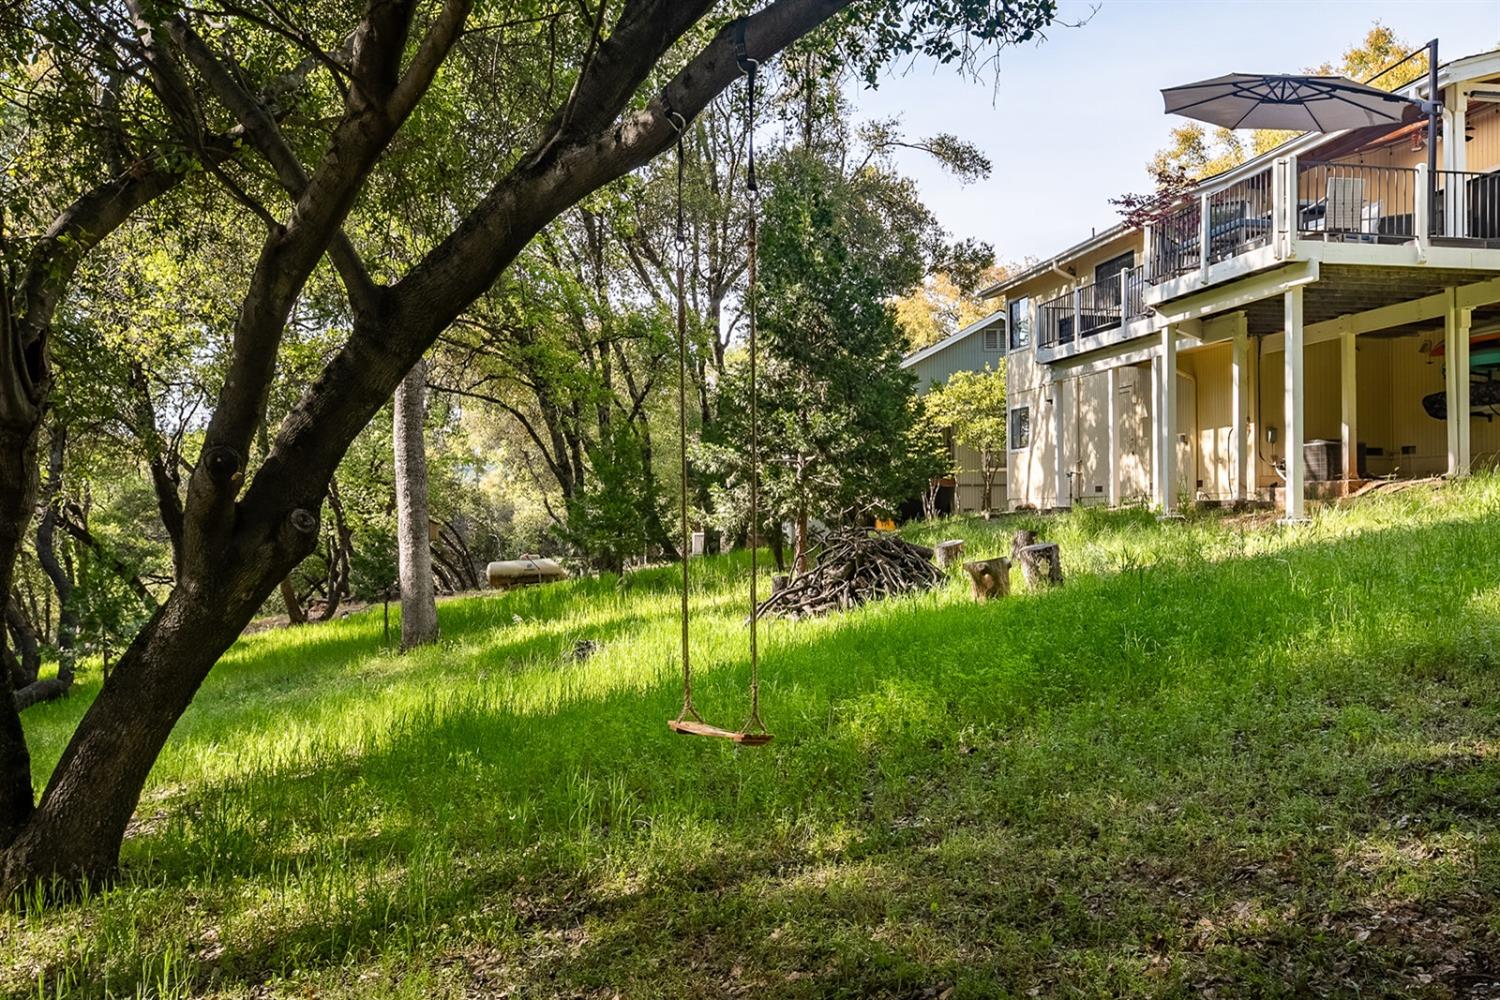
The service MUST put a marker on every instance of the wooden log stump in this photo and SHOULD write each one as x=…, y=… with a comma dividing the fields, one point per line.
x=1019, y=541
x=990, y=577
x=1041, y=565
x=948, y=553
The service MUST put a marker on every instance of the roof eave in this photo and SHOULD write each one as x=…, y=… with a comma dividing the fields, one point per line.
x=953, y=338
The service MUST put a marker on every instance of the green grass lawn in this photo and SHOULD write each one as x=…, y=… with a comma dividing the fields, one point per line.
x=1226, y=758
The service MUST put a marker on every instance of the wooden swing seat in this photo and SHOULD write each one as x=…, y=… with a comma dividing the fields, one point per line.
x=688, y=727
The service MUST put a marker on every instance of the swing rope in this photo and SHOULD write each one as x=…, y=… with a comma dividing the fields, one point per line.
x=749, y=66
x=754, y=731
x=684, y=535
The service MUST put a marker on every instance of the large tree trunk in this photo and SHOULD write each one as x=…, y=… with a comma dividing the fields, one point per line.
x=18, y=441
x=419, y=625
x=80, y=823
x=76, y=829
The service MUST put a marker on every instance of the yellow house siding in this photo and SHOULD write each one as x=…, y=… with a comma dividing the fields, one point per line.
x=1091, y=432
x=1483, y=151
x=1135, y=431
x=1211, y=371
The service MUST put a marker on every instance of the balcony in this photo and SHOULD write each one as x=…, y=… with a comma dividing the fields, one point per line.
x=1296, y=209
x=1082, y=315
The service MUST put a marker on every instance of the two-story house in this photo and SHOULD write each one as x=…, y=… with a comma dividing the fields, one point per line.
x=1325, y=313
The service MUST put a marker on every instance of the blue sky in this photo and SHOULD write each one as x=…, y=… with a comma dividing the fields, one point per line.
x=1071, y=122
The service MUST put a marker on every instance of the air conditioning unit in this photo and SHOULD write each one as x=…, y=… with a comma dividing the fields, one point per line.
x=1323, y=460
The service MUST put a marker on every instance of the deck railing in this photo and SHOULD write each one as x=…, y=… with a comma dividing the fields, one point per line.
x=1318, y=200
x=1230, y=220
x=1134, y=292
x=1466, y=205
x=1081, y=312
x=1239, y=217
x=1353, y=202
x=1055, y=319
x=1174, y=242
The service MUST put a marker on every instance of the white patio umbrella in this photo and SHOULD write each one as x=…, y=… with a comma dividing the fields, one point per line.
x=1300, y=103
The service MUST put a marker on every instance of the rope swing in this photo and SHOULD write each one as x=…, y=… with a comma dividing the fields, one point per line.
x=688, y=721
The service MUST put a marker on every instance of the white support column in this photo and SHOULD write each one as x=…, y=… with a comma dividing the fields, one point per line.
x=1164, y=423
x=1455, y=157
x=1461, y=362
x=1422, y=218
x=1278, y=208
x=1077, y=317
x=1456, y=321
x=1293, y=205
x=1060, y=490
x=1294, y=432
x=1203, y=213
x=1112, y=414
x=1158, y=495
x=1239, y=409
x=1450, y=382
x=1349, y=404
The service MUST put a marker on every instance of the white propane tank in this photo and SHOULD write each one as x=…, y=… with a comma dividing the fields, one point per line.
x=526, y=570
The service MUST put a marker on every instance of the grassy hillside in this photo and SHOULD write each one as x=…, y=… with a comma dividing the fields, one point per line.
x=1226, y=758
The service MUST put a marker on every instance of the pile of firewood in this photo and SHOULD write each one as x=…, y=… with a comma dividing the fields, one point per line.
x=854, y=567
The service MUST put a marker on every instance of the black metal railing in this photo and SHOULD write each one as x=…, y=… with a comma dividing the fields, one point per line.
x=1089, y=309
x=1135, y=293
x=1055, y=317
x=1174, y=242
x=1353, y=202
x=1099, y=306
x=1239, y=217
x=1466, y=205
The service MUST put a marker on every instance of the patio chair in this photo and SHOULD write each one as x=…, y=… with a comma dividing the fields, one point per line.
x=1346, y=205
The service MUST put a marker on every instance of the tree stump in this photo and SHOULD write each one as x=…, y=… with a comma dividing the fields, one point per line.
x=948, y=553
x=1020, y=540
x=991, y=577
x=1041, y=565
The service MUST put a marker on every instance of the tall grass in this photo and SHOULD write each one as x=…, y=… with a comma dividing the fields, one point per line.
x=992, y=798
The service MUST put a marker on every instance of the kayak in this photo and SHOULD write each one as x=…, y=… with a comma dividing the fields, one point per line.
x=1484, y=351
x=1481, y=394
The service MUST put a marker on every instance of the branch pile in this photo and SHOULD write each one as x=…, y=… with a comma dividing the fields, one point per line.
x=855, y=567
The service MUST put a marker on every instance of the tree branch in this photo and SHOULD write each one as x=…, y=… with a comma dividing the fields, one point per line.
x=378, y=105
x=366, y=370
x=264, y=133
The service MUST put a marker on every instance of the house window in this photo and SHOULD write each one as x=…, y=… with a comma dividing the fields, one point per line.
x=992, y=337
x=1110, y=269
x=1020, y=324
x=1020, y=428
